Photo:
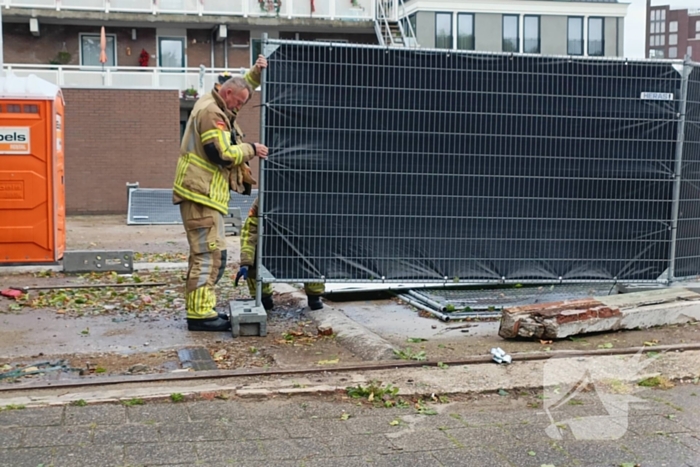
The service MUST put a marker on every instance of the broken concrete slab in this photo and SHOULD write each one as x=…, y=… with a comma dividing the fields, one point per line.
x=353, y=336
x=639, y=310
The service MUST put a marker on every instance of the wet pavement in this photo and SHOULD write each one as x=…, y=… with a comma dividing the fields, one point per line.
x=509, y=430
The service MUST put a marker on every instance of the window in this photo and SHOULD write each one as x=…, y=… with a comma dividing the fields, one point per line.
x=465, y=31
x=690, y=51
x=531, y=34
x=596, y=40
x=14, y=108
x=90, y=50
x=697, y=30
x=412, y=19
x=255, y=50
x=575, y=36
x=31, y=109
x=511, y=33
x=673, y=39
x=673, y=26
x=672, y=52
x=171, y=52
x=656, y=53
x=443, y=30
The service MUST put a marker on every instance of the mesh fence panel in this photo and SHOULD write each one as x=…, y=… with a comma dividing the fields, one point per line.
x=688, y=243
x=432, y=165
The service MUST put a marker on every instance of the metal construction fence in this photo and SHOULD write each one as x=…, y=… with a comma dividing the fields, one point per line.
x=440, y=166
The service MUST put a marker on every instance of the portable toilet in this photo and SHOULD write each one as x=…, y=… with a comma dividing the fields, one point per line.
x=32, y=193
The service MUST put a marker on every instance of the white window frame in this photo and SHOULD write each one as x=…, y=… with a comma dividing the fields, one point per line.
x=96, y=34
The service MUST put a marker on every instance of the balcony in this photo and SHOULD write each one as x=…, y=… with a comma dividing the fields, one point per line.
x=126, y=77
x=350, y=10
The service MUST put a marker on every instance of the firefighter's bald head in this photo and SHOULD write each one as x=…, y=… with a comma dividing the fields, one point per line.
x=235, y=92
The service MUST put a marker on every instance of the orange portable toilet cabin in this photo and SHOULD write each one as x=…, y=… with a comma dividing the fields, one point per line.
x=32, y=193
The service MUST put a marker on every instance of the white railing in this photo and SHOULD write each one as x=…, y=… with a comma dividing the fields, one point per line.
x=358, y=10
x=131, y=77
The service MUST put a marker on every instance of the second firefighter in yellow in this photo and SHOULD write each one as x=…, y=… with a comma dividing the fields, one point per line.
x=210, y=165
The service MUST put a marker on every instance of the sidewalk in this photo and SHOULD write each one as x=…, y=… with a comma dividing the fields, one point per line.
x=482, y=430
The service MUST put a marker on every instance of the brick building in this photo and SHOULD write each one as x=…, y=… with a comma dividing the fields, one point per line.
x=672, y=33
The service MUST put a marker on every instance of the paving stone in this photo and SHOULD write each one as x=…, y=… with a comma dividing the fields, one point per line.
x=651, y=424
x=417, y=459
x=217, y=410
x=47, y=416
x=423, y=440
x=75, y=456
x=30, y=457
x=158, y=413
x=226, y=451
x=690, y=440
x=521, y=455
x=10, y=438
x=337, y=462
x=373, y=425
x=318, y=428
x=160, y=453
x=358, y=445
x=589, y=452
x=478, y=436
x=97, y=414
x=249, y=430
x=126, y=434
x=298, y=449
x=194, y=431
x=467, y=457
x=57, y=436
x=657, y=450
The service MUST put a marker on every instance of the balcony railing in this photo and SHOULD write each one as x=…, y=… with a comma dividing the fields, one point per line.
x=358, y=10
x=131, y=77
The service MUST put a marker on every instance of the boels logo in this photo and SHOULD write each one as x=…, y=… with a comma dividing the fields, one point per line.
x=14, y=140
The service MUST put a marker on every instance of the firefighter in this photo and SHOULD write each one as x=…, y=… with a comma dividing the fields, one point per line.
x=210, y=165
x=249, y=241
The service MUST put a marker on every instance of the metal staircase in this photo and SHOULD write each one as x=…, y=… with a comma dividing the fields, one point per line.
x=392, y=31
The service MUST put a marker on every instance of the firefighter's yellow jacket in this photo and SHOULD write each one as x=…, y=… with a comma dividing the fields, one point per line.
x=209, y=164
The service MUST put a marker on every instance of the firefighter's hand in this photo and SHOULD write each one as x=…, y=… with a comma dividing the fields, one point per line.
x=242, y=272
x=261, y=62
x=261, y=150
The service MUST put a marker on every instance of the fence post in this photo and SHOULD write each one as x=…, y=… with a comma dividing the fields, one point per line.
x=678, y=168
x=261, y=181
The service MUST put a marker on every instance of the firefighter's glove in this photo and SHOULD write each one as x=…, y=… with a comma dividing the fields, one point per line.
x=243, y=272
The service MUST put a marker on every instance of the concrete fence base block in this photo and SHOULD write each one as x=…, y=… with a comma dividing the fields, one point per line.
x=639, y=310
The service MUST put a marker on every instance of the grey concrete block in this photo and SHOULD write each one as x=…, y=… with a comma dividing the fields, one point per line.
x=247, y=319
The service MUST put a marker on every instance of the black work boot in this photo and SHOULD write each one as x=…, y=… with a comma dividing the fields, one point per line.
x=267, y=302
x=223, y=315
x=315, y=302
x=215, y=324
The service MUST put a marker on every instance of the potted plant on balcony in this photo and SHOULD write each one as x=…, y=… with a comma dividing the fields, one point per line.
x=190, y=94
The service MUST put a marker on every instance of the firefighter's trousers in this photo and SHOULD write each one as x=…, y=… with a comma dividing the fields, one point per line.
x=207, y=260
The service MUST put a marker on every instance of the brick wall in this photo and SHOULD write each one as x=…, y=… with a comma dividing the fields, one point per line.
x=22, y=47
x=114, y=137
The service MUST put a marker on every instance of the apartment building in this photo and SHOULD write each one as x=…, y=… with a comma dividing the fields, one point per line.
x=575, y=28
x=672, y=33
x=124, y=118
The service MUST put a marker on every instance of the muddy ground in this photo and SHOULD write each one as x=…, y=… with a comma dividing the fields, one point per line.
x=140, y=328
